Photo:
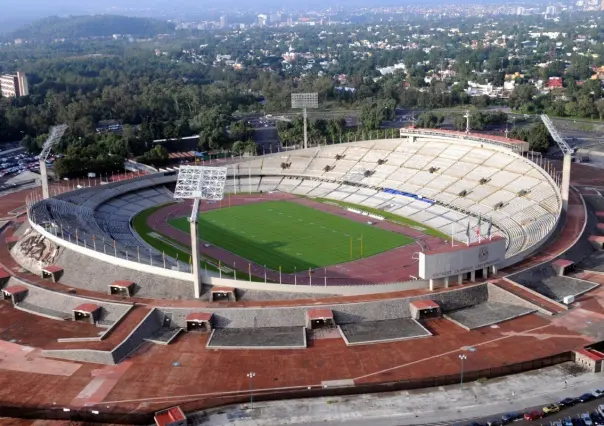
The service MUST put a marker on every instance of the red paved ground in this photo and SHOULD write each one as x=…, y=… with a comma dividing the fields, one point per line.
x=149, y=381
x=391, y=266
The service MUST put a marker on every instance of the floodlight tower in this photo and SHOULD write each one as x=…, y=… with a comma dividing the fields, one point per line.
x=199, y=183
x=304, y=101
x=56, y=133
x=568, y=152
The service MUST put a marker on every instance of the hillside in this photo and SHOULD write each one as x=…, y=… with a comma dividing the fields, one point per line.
x=91, y=26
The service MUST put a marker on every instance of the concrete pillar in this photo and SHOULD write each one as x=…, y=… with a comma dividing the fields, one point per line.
x=431, y=285
x=44, y=177
x=485, y=273
x=565, y=181
x=446, y=282
x=195, y=258
x=459, y=278
x=473, y=276
x=494, y=270
x=412, y=139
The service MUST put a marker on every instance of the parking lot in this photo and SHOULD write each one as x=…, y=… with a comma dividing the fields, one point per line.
x=582, y=410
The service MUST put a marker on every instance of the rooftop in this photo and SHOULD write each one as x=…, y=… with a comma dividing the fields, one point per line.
x=51, y=269
x=199, y=316
x=4, y=274
x=424, y=304
x=319, y=313
x=122, y=283
x=87, y=307
x=168, y=416
x=15, y=289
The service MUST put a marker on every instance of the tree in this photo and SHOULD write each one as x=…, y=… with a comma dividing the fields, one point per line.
x=374, y=113
x=157, y=156
x=241, y=130
x=539, y=138
x=30, y=145
x=600, y=107
x=429, y=120
x=238, y=147
x=521, y=95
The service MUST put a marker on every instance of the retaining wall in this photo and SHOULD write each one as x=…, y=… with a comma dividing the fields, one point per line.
x=343, y=313
x=149, y=325
x=498, y=294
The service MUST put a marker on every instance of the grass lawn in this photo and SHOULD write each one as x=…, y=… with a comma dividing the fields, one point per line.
x=139, y=223
x=295, y=237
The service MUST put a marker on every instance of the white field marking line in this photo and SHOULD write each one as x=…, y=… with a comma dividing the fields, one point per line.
x=449, y=353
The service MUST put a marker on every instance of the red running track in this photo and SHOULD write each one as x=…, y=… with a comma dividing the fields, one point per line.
x=392, y=266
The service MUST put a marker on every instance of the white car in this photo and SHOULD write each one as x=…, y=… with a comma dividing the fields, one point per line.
x=587, y=419
x=598, y=393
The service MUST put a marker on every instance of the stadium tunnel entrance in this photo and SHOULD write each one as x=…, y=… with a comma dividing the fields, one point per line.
x=424, y=309
x=200, y=322
x=223, y=294
x=317, y=319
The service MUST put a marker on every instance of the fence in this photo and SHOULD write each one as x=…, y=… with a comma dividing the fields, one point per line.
x=111, y=414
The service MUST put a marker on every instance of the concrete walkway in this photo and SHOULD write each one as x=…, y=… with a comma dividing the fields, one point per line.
x=435, y=406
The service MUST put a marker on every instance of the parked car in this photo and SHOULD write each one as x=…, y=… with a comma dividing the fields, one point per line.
x=567, y=421
x=567, y=402
x=586, y=397
x=552, y=408
x=587, y=419
x=597, y=419
x=556, y=423
x=510, y=417
x=601, y=410
x=598, y=393
x=534, y=415
x=494, y=422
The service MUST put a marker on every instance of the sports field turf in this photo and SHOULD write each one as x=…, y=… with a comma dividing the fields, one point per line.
x=295, y=237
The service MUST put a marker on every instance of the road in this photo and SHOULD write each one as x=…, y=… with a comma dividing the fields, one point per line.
x=436, y=418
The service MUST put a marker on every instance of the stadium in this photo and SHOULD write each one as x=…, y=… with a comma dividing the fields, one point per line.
x=355, y=260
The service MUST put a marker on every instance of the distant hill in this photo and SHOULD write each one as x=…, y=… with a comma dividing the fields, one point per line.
x=91, y=26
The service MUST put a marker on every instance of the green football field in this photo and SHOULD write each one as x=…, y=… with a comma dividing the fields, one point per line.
x=295, y=237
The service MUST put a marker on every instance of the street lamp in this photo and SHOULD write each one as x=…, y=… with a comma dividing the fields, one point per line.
x=251, y=375
x=462, y=357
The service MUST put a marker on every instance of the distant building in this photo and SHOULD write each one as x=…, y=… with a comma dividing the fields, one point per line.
x=520, y=10
x=262, y=20
x=551, y=10
x=554, y=83
x=223, y=22
x=14, y=86
x=275, y=18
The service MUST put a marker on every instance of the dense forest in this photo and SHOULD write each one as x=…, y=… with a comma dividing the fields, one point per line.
x=184, y=91
x=74, y=27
